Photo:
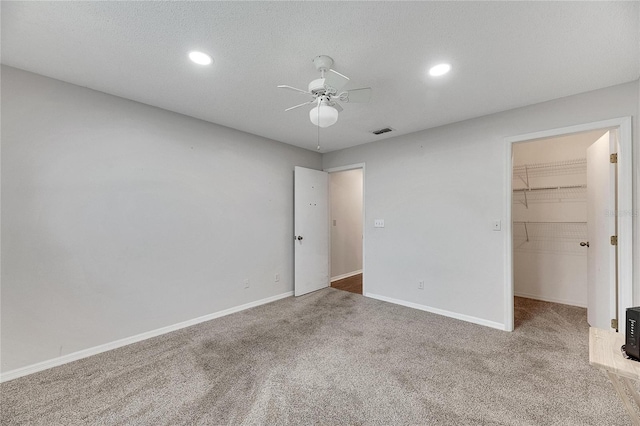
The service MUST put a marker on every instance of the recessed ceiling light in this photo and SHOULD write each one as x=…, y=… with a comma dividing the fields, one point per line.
x=440, y=69
x=200, y=58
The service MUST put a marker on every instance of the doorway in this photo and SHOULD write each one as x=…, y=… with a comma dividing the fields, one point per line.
x=552, y=236
x=346, y=200
x=551, y=206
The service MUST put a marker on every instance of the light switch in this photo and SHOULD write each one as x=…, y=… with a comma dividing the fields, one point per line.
x=497, y=225
x=378, y=223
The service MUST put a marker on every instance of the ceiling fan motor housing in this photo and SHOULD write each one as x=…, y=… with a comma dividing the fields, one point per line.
x=317, y=86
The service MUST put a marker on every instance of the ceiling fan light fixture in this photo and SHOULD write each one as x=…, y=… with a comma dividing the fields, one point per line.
x=323, y=115
x=440, y=69
x=326, y=93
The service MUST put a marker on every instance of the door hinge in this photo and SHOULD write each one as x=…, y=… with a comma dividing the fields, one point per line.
x=614, y=240
x=613, y=158
x=614, y=323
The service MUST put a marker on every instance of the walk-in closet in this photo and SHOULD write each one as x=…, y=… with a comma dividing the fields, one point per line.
x=550, y=230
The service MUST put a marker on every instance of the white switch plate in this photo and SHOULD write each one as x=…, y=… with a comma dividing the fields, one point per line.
x=420, y=285
x=378, y=223
x=246, y=283
x=277, y=278
x=497, y=225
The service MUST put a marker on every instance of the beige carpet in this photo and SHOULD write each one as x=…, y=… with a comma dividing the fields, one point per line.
x=333, y=358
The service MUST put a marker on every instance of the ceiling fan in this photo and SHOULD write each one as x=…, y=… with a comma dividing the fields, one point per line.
x=326, y=92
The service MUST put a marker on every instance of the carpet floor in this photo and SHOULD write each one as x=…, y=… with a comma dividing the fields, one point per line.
x=333, y=358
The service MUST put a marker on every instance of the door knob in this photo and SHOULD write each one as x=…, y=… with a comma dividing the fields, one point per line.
x=299, y=238
x=582, y=244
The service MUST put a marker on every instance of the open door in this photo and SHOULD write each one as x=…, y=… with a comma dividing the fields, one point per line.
x=601, y=225
x=311, y=228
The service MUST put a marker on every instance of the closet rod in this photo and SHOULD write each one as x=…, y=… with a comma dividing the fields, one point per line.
x=546, y=188
x=528, y=221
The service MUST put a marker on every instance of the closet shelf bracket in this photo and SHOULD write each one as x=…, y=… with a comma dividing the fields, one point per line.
x=526, y=174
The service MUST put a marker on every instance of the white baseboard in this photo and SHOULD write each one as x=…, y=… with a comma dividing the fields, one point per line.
x=54, y=362
x=438, y=311
x=550, y=299
x=347, y=275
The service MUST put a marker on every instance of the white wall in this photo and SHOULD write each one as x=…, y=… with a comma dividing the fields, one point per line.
x=552, y=266
x=119, y=218
x=346, y=222
x=439, y=191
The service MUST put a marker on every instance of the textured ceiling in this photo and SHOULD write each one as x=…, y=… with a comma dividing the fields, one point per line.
x=504, y=55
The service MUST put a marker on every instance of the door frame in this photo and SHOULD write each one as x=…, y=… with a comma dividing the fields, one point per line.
x=624, y=209
x=364, y=216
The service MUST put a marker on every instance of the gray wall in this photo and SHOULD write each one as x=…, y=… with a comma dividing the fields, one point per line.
x=346, y=222
x=439, y=191
x=119, y=218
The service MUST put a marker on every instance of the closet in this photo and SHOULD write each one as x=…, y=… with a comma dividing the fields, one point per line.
x=550, y=218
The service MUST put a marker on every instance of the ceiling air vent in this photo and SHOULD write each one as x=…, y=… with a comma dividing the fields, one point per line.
x=381, y=131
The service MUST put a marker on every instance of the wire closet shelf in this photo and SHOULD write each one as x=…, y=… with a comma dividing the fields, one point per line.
x=554, y=168
x=557, y=181
x=549, y=237
x=524, y=175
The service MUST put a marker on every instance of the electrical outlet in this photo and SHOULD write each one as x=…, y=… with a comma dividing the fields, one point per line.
x=378, y=223
x=246, y=283
x=277, y=278
x=420, y=285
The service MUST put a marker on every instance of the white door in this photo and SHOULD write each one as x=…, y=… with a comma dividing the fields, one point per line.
x=601, y=255
x=311, y=228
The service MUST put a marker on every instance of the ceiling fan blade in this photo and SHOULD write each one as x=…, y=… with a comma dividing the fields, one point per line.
x=284, y=86
x=357, y=95
x=298, y=106
x=335, y=79
x=337, y=106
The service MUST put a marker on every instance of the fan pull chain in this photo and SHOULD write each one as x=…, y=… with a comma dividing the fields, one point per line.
x=319, y=105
